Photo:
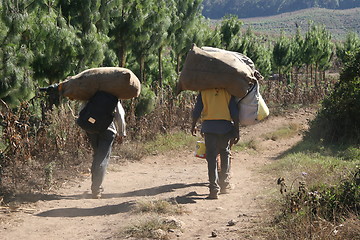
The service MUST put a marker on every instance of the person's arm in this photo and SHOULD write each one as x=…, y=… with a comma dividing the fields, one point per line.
x=196, y=114
x=119, y=120
x=234, y=112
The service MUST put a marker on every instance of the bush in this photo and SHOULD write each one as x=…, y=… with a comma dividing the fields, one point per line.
x=38, y=155
x=338, y=120
x=146, y=102
x=321, y=211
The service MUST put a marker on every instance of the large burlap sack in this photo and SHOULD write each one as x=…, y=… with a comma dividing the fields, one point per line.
x=120, y=82
x=215, y=69
x=245, y=59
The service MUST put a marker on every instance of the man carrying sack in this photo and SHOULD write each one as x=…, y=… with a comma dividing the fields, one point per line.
x=220, y=126
x=101, y=143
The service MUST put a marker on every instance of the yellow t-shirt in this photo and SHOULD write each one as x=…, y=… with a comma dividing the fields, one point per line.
x=216, y=104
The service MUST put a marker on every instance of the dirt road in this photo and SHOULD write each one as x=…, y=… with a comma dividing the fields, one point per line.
x=70, y=213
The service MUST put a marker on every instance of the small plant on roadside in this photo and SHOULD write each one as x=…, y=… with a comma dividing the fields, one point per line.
x=251, y=144
x=284, y=132
x=319, y=207
x=49, y=171
x=152, y=227
x=159, y=206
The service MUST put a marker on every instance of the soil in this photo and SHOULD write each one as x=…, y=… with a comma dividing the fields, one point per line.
x=244, y=213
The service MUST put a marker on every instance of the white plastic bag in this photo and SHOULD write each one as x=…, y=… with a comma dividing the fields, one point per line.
x=252, y=107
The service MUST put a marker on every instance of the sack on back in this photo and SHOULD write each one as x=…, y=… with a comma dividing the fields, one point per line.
x=252, y=107
x=98, y=112
x=215, y=69
x=120, y=82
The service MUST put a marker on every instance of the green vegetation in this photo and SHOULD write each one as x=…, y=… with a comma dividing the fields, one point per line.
x=153, y=223
x=159, y=144
x=251, y=144
x=159, y=207
x=170, y=142
x=43, y=43
x=320, y=177
x=320, y=191
x=151, y=227
x=338, y=120
x=284, y=132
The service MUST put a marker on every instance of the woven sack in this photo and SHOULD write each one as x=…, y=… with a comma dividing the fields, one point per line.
x=240, y=56
x=120, y=82
x=205, y=70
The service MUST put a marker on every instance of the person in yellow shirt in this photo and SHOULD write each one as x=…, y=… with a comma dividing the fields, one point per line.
x=220, y=126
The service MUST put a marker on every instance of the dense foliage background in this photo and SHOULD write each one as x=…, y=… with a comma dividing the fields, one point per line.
x=43, y=42
x=216, y=9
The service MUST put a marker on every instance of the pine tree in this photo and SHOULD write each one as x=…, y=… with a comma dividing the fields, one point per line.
x=350, y=45
x=182, y=23
x=16, y=82
x=230, y=27
x=83, y=15
x=152, y=31
x=282, y=55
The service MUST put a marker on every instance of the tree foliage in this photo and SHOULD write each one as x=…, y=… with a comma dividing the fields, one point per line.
x=43, y=42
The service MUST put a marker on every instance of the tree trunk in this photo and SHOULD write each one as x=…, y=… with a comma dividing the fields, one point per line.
x=178, y=63
x=160, y=75
x=142, y=66
x=316, y=78
x=122, y=56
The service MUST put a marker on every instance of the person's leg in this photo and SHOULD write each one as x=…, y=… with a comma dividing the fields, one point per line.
x=102, y=144
x=224, y=174
x=211, y=153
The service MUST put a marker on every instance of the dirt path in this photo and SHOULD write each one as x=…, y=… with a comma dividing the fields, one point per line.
x=71, y=214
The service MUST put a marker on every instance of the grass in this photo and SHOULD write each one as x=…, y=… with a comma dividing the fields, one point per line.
x=283, y=132
x=321, y=192
x=251, y=145
x=151, y=227
x=162, y=144
x=170, y=142
x=153, y=223
x=159, y=207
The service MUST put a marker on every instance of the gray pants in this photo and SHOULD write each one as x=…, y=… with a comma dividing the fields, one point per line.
x=101, y=144
x=218, y=144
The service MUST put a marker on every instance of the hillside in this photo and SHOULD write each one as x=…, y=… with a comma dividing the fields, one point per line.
x=216, y=9
x=338, y=22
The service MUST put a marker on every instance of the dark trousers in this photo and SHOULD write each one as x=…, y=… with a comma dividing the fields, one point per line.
x=218, y=144
x=101, y=144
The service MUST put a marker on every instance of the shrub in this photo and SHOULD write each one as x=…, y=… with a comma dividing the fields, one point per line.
x=338, y=120
x=146, y=102
x=320, y=212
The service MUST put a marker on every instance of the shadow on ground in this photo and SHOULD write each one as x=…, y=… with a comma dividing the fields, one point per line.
x=86, y=212
x=118, y=208
x=34, y=197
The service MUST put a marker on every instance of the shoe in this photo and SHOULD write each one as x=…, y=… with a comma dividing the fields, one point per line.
x=226, y=188
x=224, y=191
x=96, y=194
x=213, y=195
